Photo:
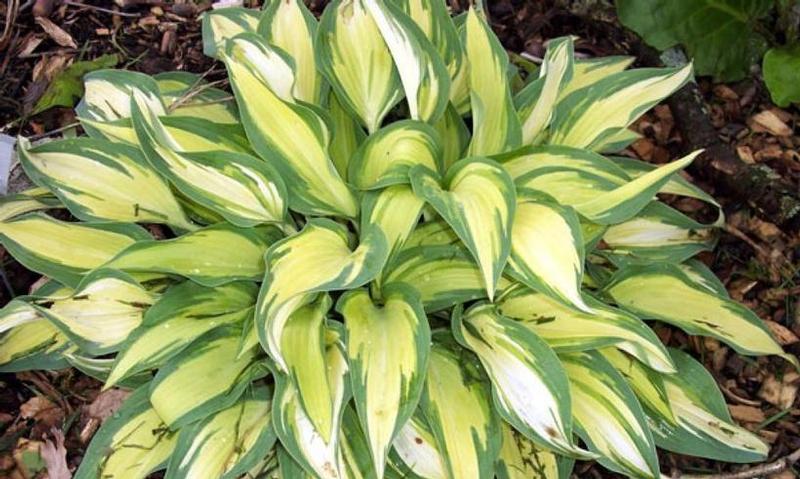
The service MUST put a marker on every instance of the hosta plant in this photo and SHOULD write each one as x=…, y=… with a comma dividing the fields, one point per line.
x=389, y=254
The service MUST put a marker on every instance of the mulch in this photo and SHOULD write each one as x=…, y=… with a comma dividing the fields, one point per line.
x=756, y=259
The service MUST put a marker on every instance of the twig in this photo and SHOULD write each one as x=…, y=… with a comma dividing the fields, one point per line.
x=101, y=9
x=53, y=132
x=773, y=467
x=194, y=91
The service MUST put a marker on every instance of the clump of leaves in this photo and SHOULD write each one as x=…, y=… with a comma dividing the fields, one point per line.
x=383, y=262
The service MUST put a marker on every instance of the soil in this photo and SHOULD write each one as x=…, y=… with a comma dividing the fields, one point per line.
x=755, y=258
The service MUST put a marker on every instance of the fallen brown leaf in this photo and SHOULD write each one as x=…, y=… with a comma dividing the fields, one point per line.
x=41, y=410
x=54, y=455
x=104, y=405
x=56, y=33
x=746, y=413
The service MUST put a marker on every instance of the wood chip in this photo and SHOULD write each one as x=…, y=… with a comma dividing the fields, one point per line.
x=56, y=33
x=782, y=334
x=745, y=154
x=747, y=413
x=781, y=393
x=725, y=92
x=767, y=121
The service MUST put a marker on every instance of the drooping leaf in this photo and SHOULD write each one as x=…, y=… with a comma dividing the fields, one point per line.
x=65, y=251
x=102, y=181
x=132, y=443
x=704, y=425
x=422, y=71
x=229, y=253
x=204, y=378
x=664, y=292
x=386, y=157
x=608, y=416
x=321, y=252
x=566, y=329
x=225, y=444
x=456, y=403
x=520, y=366
x=182, y=314
x=291, y=27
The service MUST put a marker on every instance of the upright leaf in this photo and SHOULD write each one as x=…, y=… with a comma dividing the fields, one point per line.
x=291, y=135
x=496, y=127
x=355, y=60
x=387, y=348
x=477, y=199
x=224, y=23
x=316, y=259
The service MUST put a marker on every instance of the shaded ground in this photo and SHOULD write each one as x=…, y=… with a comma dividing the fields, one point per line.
x=755, y=259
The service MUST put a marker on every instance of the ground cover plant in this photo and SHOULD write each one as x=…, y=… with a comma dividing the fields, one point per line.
x=393, y=255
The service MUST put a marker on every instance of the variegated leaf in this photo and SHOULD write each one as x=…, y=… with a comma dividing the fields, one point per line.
x=585, y=119
x=104, y=309
x=33, y=344
x=387, y=348
x=496, y=127
x=65, y=251
x=586, y=72
x=228, y=254
x=664, y=292
x=646, y=383
x=107, y=97
x=204, y=378
x=395, y=210
x=477, y=199
x=182, y=314
x=221, y=24
x=454, y=136
x=131, y=443
x=290, y=135
x=386, y=157
x=547, y=252
x=443, y=274
x=104, y=181
x=290, y=26
x=189, y=95
x=27, y=201
x=347, y=136
x=520, y=366
x=415, y=453
x=568, y=330
x=608, y=416
x=304, y=348
x=318, y=457
x=522, y=459
x=228, y=443
x=458, y=408
x=422, y=71
x=536, y=102
x=322, y=253
x=434, y=20
x=704, y=425
x=659, y=233
x=355, y=60
x=243, y=189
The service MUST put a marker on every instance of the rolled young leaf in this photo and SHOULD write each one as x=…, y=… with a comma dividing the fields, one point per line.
x=357, y=63
x=496, y=127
